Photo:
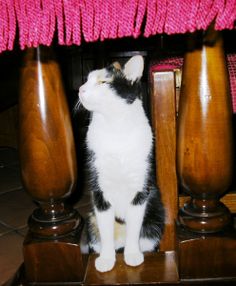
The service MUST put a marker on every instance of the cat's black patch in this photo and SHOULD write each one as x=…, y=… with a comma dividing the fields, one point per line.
x=99, y=201
x=111, y=69
x=124, y=87
x=91, y=231
x=154, y=218
x=119, y=220
x=140, y=198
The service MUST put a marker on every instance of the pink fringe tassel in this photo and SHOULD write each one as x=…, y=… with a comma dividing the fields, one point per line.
x=92, y=20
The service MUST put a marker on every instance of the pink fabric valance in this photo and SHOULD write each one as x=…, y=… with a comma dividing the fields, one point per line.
x=34, y=22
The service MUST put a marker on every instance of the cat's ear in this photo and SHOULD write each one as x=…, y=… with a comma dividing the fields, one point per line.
x=133, y=69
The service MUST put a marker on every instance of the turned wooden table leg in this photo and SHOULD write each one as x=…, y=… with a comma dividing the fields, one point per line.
x=207, y=243
x=205, y=153
x=48, y=164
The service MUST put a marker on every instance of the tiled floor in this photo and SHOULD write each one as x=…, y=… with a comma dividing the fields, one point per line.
x=15, y=207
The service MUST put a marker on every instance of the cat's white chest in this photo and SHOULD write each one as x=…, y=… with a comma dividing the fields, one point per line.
x=121, y=157
x=120, y=177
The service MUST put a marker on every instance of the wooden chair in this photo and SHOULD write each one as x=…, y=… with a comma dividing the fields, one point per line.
x=188, y=253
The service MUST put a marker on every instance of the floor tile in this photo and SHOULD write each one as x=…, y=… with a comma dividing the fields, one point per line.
x=15, y=208
x=22, y=231
x=8, y=156
x=4, y=229
x=10, y=255
x=10, y=179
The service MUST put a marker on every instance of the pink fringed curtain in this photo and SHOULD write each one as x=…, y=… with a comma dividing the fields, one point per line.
x=92, y=20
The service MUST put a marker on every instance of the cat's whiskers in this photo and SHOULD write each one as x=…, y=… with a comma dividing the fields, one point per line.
x=76, y=107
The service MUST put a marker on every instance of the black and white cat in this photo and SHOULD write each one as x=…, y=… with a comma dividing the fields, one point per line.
x=127, y=212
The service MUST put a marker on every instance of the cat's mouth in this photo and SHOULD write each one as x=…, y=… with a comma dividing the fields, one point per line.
x=84, y=102
x=78, y=104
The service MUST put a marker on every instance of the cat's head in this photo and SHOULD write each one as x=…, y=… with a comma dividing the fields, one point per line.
x=112, y=86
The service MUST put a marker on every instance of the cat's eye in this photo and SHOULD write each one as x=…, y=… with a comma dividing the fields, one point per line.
x=102, y=81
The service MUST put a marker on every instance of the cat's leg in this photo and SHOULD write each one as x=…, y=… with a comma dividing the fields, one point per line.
x=134, y=218
x=105, y=221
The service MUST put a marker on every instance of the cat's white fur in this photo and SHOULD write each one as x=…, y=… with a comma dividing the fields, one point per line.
x=121, y=159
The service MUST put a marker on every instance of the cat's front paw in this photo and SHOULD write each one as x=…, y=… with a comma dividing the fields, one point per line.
x=104, y=264
x=134, y=259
